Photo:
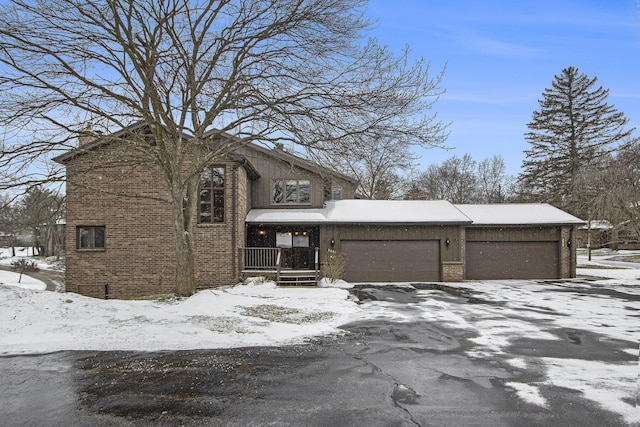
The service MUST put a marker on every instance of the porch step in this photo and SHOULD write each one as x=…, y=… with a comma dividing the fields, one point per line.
x=287, y=277
x=298, y=278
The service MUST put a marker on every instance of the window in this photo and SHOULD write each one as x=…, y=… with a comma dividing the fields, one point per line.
x=284, y=240
x=211, y=203
x=290, y=239
x=90, y=237
x=336, y=193
x=331, y=192
x=291, y=191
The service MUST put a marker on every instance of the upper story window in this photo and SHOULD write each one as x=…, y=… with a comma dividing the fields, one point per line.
x=90, y=237
x=291, y=191
x=336, y=193
x=211, y=203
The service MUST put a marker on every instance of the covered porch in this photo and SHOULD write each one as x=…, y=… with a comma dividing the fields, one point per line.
x=289, y=254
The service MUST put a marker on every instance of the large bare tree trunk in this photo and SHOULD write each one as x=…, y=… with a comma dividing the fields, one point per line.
x=183, y=213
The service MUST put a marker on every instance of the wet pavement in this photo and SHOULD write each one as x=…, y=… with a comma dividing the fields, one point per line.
x=381, y=373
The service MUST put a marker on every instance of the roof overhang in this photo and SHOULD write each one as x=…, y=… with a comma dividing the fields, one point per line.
x=365, y=212
x=518, y=215
x=418, y=212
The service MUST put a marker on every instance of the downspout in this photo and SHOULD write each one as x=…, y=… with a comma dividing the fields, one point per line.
x=234, y=219
x=573, y=250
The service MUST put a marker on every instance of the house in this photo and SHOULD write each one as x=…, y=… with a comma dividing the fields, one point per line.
x=266, y=211
x=51, y=238
x=595, y=234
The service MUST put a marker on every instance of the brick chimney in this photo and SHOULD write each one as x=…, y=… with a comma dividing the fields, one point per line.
x=87, y=135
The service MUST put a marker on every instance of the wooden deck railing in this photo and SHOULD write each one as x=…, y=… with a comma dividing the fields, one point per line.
x=260, y=258
x=256, y=260
x=269, y=260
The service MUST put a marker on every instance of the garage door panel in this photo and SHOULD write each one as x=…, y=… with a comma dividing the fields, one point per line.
x=511, y=260
x=391, y=261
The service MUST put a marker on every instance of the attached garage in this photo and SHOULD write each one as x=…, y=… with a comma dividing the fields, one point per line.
x=512, y=260
x=519, y=241
x=427, y=241
x=392, y=260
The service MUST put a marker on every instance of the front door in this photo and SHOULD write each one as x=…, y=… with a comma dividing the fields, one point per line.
x=297, y=251
x=297, y=243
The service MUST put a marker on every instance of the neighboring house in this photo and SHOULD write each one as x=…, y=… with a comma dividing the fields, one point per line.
x=266, y=211
x=20, y=238
x=51, y=239
x=595, y=234
x=603, y=234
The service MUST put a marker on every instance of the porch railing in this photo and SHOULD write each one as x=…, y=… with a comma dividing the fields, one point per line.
x=269, y=260
x=260, y=258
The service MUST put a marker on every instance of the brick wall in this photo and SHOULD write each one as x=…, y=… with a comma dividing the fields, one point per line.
x=453, y=271
x=139, y=255
x=567, y=252
x=217, y=245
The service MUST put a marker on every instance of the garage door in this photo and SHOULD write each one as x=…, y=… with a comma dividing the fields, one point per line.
x=512, y=260
x=391, y=261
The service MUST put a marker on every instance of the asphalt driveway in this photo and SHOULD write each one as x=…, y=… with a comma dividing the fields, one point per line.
x=398, y=368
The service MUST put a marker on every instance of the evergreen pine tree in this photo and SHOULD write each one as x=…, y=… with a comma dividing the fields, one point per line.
x=573, y=129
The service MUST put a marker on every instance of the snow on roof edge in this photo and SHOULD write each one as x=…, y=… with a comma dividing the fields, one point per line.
x=423, y=212
x=517, y=214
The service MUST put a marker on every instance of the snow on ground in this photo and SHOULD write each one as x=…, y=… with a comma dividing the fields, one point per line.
x=256, y=313
x=25, y=253
x=253, y=314
x=245, y=315
x=528, y=393
x=613, y=386
x=602, y=265
x=13, y=279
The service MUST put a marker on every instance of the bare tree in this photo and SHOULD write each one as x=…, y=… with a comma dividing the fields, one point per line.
x=378, y=160
x=377, y=163
x=454, y=180
x=463, y=180
x=293, y=70
x=9, y=226
x=612, y=191
x=492, y=180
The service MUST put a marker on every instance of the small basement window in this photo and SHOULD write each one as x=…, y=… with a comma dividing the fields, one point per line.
x=90, y=237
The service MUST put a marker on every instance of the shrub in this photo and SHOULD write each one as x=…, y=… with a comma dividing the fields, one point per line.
x=334, y=265
x=24, y=265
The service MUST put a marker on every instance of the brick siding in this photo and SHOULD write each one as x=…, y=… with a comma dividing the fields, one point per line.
x=453, y=271
x=139, y=254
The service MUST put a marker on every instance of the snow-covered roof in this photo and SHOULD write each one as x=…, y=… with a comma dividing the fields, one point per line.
x=394, y=211
x=416, y=212
x=518, y=214
x=286, y=216
x=366, y=211
x=597, y=224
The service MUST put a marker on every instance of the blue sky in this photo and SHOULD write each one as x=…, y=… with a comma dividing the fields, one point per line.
x=501, y=55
